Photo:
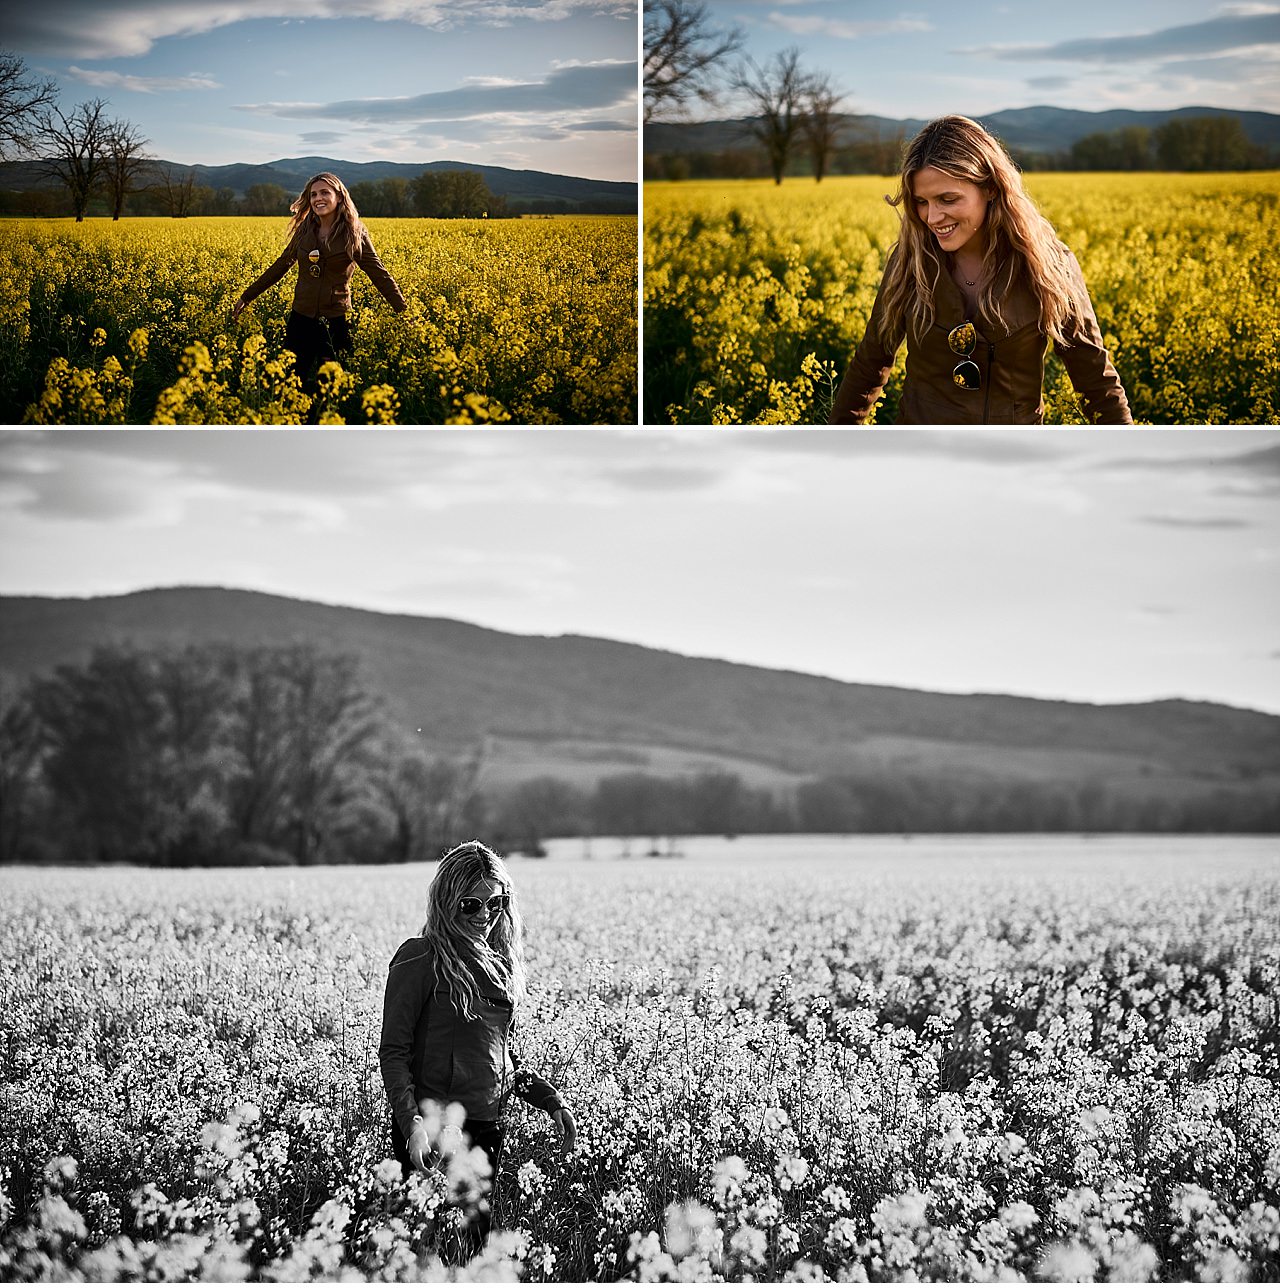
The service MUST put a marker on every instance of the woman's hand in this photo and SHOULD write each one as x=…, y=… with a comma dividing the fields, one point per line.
x=237, y=308
x=419, y=1145
x=568, y=1126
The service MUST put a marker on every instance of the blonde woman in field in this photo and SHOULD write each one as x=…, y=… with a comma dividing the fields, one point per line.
x=978, y=285
x=452, y=995
x=326, y=240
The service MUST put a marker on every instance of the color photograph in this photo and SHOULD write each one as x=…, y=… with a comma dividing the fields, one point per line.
x=1010, y=214
x=661, y=856
x=398, y=212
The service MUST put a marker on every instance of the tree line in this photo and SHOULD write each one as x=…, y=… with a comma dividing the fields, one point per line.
x=218, y=755
x=794, y=125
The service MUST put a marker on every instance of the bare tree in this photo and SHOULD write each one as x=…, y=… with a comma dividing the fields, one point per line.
x=776, y=92
x=819, y=122
x=22, y=98
x=126, y=161
x=177, y=191
x=75, y=148
x=681, y=54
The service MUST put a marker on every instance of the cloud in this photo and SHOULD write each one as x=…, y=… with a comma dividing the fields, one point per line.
x=997, y=448
x=839, y=29
x=663, y=478
x=1051, y=82
x=143, y=84
x=1260, y=464
x=1227, y=31
x=577, y=88
x=129, y=28
x=1210, y=522
x=322, y=137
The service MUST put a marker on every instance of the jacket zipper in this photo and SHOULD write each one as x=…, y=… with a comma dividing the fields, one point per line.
x=986, y=397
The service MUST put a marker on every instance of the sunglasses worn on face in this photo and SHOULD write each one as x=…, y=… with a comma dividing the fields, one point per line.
x=963, y=340
x=469, y=905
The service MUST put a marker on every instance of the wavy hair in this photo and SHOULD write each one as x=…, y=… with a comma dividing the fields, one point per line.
x=347, y=228
x=1017, y=235
x=466, y=967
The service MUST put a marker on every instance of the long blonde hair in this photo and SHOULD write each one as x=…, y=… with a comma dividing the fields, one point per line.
x=1019, y=239
x=347, y=231
x=460, y=962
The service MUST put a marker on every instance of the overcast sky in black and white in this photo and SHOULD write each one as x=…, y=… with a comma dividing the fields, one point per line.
x=1090, y=565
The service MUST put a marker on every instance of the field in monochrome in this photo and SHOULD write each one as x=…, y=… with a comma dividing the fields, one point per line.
x=756, y=296
x=530, y=320
x=791, y=1058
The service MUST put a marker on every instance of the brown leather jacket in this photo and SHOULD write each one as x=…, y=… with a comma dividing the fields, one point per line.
x=1011, y=358
x=329, y=295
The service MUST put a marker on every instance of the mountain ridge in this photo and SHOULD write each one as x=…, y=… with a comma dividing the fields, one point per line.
x=1039, y=128
x=543, y=700
x=292, y=173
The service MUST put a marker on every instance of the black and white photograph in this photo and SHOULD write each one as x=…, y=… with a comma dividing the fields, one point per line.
x=661, y=855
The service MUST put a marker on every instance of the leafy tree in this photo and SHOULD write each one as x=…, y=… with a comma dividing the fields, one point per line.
x=367, y=197
x=23, y=98
x=451, y=194
x=541, y=807
x=1205, y=143
x=434, y=803
x=75, y=149
x=396, y=197
x=682, y=53
x=267, y=199
x=21, y=754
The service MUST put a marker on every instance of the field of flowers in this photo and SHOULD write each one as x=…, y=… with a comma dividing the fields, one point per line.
x=527, y=321
x=1005, y=1058
x=755, y=297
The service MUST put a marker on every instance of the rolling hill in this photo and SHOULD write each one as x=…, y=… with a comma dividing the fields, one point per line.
x=1027, y=129
x=580, y=707
x=291, y=173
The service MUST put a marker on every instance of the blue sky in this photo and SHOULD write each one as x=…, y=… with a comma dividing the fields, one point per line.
x=528, y=84
x=924, y=58
x=1096, y=565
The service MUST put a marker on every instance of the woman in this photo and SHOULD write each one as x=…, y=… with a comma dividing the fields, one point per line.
x=452, y=993
x=977, y=284
x=327, y=240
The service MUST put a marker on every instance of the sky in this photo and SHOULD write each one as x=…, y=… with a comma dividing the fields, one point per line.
x=925, y=58
x=526, y=84
x=1091, y=565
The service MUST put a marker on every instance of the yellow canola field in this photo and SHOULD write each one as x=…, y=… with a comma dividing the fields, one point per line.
x=528, y=321
x=755, y=296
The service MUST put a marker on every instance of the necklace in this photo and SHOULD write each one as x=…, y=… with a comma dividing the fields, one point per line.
x=962, y=273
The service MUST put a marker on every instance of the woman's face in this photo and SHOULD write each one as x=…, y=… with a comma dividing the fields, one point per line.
x=478, y=910
x=953, y=209
x=324, y=199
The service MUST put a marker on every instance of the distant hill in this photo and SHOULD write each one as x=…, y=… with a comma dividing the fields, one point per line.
x=579, y=707
x=1028, y=129
x=291, y=173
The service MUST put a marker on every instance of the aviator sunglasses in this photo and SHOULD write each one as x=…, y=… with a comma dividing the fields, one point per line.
x=963, y=340
x=469, y=905
x=314, y=257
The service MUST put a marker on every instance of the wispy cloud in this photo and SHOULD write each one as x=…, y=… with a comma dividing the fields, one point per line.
x=841, y=29
x=143, y=84
x=129, y=28
x=589, y=86
x=1226, y=31
x=1208, y=522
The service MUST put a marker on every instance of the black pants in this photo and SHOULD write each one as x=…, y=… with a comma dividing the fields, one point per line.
x=489, y=1136
x=316, y=340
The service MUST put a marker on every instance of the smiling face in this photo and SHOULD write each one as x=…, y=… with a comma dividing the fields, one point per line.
x=324, y=198
x=954, y=210
x=480, y=925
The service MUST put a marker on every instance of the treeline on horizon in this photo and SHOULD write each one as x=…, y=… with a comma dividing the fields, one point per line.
x=433, y=194
x=1187, y=144
x=214, y=755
